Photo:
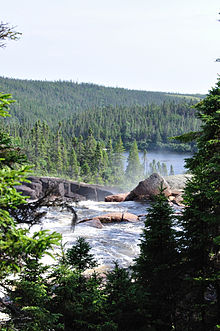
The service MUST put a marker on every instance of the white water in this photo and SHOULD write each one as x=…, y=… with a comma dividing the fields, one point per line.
x=114, y=242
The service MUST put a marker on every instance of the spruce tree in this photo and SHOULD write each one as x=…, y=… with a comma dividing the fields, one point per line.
x=201, y=217
x=118, y=162
x=156, y=268
x=134, y=171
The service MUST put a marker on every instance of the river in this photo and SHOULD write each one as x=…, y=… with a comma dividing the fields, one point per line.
x=116, y=241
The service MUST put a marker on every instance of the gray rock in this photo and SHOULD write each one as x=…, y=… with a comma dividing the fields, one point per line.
x=149, y=187
x=178, y=182
x=38, y=186
x=27, y=191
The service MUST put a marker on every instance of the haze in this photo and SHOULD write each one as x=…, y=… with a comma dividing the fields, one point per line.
x=150, y=45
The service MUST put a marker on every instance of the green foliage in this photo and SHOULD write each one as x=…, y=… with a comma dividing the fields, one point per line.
x=79, y=257
x=156, y=268
x=18, y=248
x=201, y=218
x=60, y=99
x=123, y=302
x=134, y=171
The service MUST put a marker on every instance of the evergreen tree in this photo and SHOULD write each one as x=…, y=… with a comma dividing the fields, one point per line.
x=79, y=256
x=164, y=169
x=134, y=170
x=157, y=265
x=73, y=171
x=171, y=170
x=145, y=162
x=78, y=299
x=201, y=218
x=90, y=149
x=123, y=300
x=118, y=162
x=18, y=247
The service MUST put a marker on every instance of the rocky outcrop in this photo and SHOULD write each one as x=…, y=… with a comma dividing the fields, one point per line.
x=116, y=197
x=146, y=189
x=178, y=182
x=38, y=186
x=114, y=217
x=149, y=187
x=95, y=223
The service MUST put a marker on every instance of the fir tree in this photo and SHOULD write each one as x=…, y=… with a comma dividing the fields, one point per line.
x=134, y=170
x=171, y=170
x=118, y=162
x=201, y=218
x=156, y=267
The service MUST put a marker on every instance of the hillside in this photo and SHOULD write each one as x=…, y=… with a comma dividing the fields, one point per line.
x=53, y=101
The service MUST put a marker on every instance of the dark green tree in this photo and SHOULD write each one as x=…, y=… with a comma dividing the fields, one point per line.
x=118, y=162
x=201, y=218
x=123, y=302
x=134, y=171
x=79, y=256
x=156, y=268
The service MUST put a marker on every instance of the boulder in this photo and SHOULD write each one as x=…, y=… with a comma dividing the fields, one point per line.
x=178, y=182
x=26, y=191
x=116, y=197
x=178, y=200
x=117, y=217
x=149, y=187
x=95, y=223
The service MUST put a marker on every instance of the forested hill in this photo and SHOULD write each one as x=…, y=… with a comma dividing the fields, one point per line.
x=53, y=101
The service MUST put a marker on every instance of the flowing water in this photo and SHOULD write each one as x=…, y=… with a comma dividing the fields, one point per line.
x=115, y=241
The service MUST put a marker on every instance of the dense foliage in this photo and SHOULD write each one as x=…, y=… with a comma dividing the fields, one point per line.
x=149, y=117
x=54, y=101
x=16, y=246
x=80, y=131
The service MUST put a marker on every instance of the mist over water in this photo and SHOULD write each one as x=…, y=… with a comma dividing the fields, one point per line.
x=169, y=158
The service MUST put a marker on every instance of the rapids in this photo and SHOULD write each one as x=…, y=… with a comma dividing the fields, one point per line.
x=114, y=242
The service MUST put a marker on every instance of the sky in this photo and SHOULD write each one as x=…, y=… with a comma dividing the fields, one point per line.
x=152, y=45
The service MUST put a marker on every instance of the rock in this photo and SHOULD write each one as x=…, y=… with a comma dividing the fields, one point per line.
x=95, y=223
x=149, y=187
x=178, y=182
x=178, y=200
x=177, y=192
x=62, y=188
x=27, y=191
x=117, y=217
x=116, y=197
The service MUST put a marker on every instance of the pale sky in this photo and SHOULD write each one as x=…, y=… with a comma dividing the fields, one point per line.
x=153, y=45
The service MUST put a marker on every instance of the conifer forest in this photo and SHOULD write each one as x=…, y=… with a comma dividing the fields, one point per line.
x=83, y=134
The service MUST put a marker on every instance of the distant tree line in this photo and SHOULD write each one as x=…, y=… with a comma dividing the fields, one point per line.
x=52, y=153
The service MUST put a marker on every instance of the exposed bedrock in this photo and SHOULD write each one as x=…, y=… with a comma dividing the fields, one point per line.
x=110, y=218
x=146, y=189
x=39, y=186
